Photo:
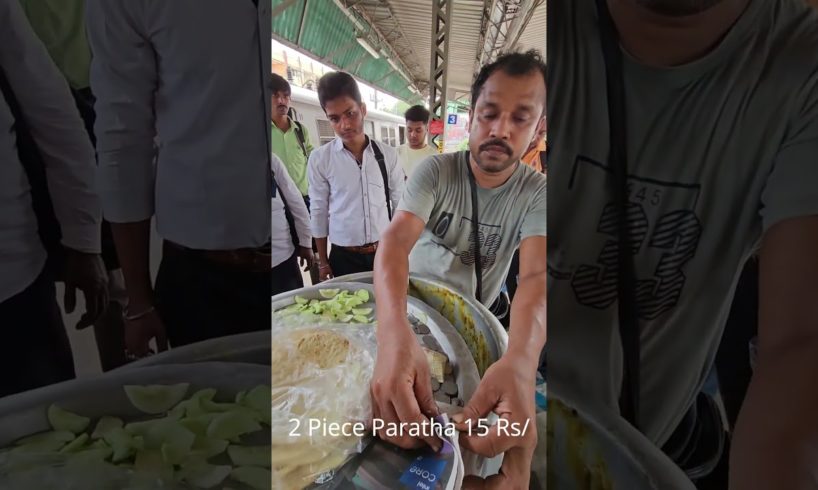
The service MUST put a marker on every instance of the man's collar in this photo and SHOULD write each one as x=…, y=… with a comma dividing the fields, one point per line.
x=338, y=144
x=290, y=120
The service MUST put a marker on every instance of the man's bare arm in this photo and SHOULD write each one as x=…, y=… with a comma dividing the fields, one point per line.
x=321, y=245
x=132, y=242
x=776, y=438
x=392, y=271
x=527, y=332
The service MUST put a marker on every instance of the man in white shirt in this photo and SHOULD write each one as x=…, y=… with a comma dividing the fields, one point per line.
x=291, y=240
x=46, y=171
x=411, y=153
x=196, y=84
x=354, y=183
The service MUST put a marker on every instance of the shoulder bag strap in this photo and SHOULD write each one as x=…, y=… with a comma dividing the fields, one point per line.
x=287, y=213
x=299, y=135
x=475, y=223
x=382, y=165
x=629, y=331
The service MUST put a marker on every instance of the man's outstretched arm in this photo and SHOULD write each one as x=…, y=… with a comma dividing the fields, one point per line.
x=776, y=437
x=401, y=386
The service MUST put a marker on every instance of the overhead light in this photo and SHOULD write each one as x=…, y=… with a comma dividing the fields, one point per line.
x=368, y=47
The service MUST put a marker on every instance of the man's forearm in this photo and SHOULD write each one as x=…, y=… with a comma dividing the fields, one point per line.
x=527, y=332
x=391, y=280
x=776, y=438
x=132, y=242
x=321, y=245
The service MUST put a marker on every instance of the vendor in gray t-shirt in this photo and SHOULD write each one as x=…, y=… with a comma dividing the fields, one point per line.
x=721, y=105
x=435, y=222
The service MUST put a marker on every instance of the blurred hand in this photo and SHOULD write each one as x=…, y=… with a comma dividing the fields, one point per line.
x=515, y=474
x=401, y=387
x=140, y=331
x=324, y=271
x=507, y=389
x=86, y=272
x=305, y=258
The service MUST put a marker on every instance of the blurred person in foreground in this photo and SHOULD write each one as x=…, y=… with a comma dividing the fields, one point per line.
x=60, y=25
x=50, y=221
x=706, y=146
x=195, y=86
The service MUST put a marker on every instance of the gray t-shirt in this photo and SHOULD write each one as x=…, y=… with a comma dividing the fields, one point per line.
x=719, y=150
x=438, y=192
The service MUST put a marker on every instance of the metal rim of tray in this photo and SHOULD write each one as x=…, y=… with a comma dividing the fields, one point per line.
x=615, y=437
x=250, y=347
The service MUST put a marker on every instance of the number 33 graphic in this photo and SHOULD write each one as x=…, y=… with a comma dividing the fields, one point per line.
x=676, y=234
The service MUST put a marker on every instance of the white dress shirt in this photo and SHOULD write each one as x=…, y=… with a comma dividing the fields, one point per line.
x=281, y=241
x=54, y=122
x=191, y=73
x=348, y=202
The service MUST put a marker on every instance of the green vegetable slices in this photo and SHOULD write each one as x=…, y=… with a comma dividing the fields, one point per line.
x=198, y=441
x=338, y=306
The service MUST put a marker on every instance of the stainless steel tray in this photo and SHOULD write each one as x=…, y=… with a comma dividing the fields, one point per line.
x=465, y=370
x=251, y=347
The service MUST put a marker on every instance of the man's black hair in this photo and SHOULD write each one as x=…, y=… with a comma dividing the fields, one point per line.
x=417, y=113
x=514, y=64
x=337, y=84
x=277, y=83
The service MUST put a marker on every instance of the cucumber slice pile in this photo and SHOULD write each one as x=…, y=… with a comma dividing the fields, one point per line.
x=195, y=440
x=338, y=306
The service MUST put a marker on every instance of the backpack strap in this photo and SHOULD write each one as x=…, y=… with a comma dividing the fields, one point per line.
x=299, y=135
x=628, y=314
x=287, y=213
x=382, y=165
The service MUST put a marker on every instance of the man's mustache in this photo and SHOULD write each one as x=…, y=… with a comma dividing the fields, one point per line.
x=499, y=143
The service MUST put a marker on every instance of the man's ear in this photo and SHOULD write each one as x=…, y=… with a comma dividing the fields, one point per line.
x=468, y=122
x=363, y=109
x=542, y=127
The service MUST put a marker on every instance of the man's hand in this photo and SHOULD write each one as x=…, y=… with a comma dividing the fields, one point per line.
x=402, y=389
x=324, y=271
x=145, y=325
x=515, y=474
x=507, y=389
x=86, y=272
x=305, y=258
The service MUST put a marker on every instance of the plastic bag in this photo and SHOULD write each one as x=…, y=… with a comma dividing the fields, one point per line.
x=320, y=399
